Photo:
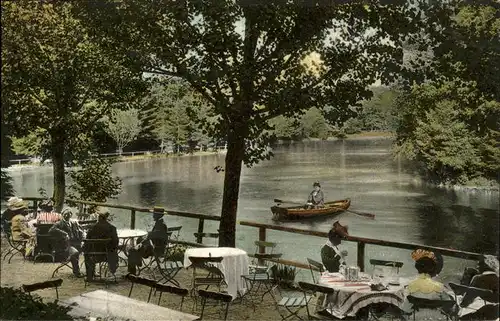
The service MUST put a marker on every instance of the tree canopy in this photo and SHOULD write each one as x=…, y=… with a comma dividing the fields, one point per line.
x=56, y=79
x=256, y=60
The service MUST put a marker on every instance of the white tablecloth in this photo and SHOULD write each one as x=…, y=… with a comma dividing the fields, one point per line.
x=129, y=233
x=233, y=265
x=350, y=296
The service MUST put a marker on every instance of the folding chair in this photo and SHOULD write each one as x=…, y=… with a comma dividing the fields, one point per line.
x=161, y=263
x=200, y=236
x=44, y=240
x=164, y=288
x=394, y=264
x=97, y=256
x=217, y=296
x=257, y=262
x=263, y=278
x=446, y=307
x=43, y=285
x=212, y=275
x=15, y=247
x=315, y=266
x=470, y=293
x=293, y=305
x=142, y=281
x=326, y=294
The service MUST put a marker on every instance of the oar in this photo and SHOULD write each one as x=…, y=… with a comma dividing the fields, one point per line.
x=370, y=215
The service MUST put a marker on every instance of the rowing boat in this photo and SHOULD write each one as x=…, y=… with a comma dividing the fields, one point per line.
x=299, y=212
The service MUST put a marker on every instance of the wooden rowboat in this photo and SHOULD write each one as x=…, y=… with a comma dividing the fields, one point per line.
x=299, y=212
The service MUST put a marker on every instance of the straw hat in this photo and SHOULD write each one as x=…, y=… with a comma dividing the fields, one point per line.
x=340, y=229
x=434, y=256
x=102, y=211
x=15, y=203
x=492, y=262
x=158, y=210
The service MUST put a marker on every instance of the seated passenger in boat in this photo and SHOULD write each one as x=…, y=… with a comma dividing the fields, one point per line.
x=331, y=256
x=316, y=198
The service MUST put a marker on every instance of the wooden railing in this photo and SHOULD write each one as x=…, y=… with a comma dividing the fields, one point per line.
x=359, y=240
x=134, y=209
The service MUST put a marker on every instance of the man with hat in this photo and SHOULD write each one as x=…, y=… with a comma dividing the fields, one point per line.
x=331, y=256
x=68, y=236
x=486, y=275
x=316, y=198
x=154, y=243
x=102, y=230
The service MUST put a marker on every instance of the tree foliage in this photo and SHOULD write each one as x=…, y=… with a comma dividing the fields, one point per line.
x=253, y=61
x=123, y=126
x=55, y=78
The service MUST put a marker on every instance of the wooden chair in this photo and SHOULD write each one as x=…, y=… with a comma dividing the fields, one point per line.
x=313, y=290
x=446, y=307
x=200, y=236
x=15, y=247
x=315, y=266
x=217, y=296
x=394, y=264
x=262, y=278
x=43, y=285
x=44, y=242
x=142, y=281
x=165, y=288
x=99, y=256
x=470, y=293
x=258, y=261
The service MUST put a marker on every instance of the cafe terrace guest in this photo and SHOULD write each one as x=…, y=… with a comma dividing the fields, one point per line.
x=19, y=228
x=331, y=255
x=155, y=242
x=102, y=230
x=47, y=214
x=67, y=241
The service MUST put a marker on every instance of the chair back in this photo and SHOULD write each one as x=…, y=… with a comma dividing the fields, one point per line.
x=218, y=296
x=315, y=266
x=44, y=241
x=97, y=249
x=175, y=230
x=200, y=236
x=422, y=303
x=385, y=267
x=43, y=285
x=207, y=264
x=171, y=289
x=140, y=280
x=470, y=293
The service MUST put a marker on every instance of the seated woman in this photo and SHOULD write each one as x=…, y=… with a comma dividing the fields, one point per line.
x=316, y=198
x=331, y=256
x=428, y=265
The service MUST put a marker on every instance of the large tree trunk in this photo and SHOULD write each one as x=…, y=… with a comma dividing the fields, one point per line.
x=234, y=161
x=59, y=177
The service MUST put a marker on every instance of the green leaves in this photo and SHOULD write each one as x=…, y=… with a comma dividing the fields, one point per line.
x=123, y=126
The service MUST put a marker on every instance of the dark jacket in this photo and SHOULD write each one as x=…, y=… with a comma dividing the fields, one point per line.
x=330, y=259
x=65, y=234
x=486, y=280
x=317, y=200
x=102, y=230
x=159, y=236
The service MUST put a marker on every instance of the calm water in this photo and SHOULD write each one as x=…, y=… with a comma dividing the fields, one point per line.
x=363, y=170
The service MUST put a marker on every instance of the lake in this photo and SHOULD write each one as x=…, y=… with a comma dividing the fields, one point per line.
x=363, y=170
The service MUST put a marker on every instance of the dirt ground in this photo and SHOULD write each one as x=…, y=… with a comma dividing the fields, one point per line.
x=21, y=271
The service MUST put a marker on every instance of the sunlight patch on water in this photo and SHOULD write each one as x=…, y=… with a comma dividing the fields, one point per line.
x=393, y=193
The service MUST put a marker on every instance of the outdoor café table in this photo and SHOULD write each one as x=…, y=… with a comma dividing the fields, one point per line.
x=233, y=265
x=351, y=296
x=127, y=237
x=107, y=304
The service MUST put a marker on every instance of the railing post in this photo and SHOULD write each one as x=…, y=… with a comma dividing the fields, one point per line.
x=132, y=219
x=199, y=238
x=262, y=237
x=35, y=206
x=361, y=256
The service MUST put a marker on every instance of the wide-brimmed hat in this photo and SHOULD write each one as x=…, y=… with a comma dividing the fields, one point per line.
x=316, y=184
x=15, y=203
x=492, y=262
x=436, y=257
x=340, y=230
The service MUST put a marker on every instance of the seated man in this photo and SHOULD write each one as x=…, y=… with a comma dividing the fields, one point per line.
x=154, y=243
x=486, y=275
x=101, y=230
x=331, y=256
x=68, y=236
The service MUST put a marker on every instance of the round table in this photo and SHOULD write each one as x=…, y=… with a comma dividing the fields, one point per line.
x=351, y=296
x=233, y=265
x=128, y=235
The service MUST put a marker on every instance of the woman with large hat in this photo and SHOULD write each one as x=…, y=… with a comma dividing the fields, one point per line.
x=316, y=198
x=18, y=209
x=331, y=256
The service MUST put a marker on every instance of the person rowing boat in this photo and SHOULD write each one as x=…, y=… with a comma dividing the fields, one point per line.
x=316, y=198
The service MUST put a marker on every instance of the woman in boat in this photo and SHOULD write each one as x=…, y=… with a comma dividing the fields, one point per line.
x=331, y=256
x=316, y=198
